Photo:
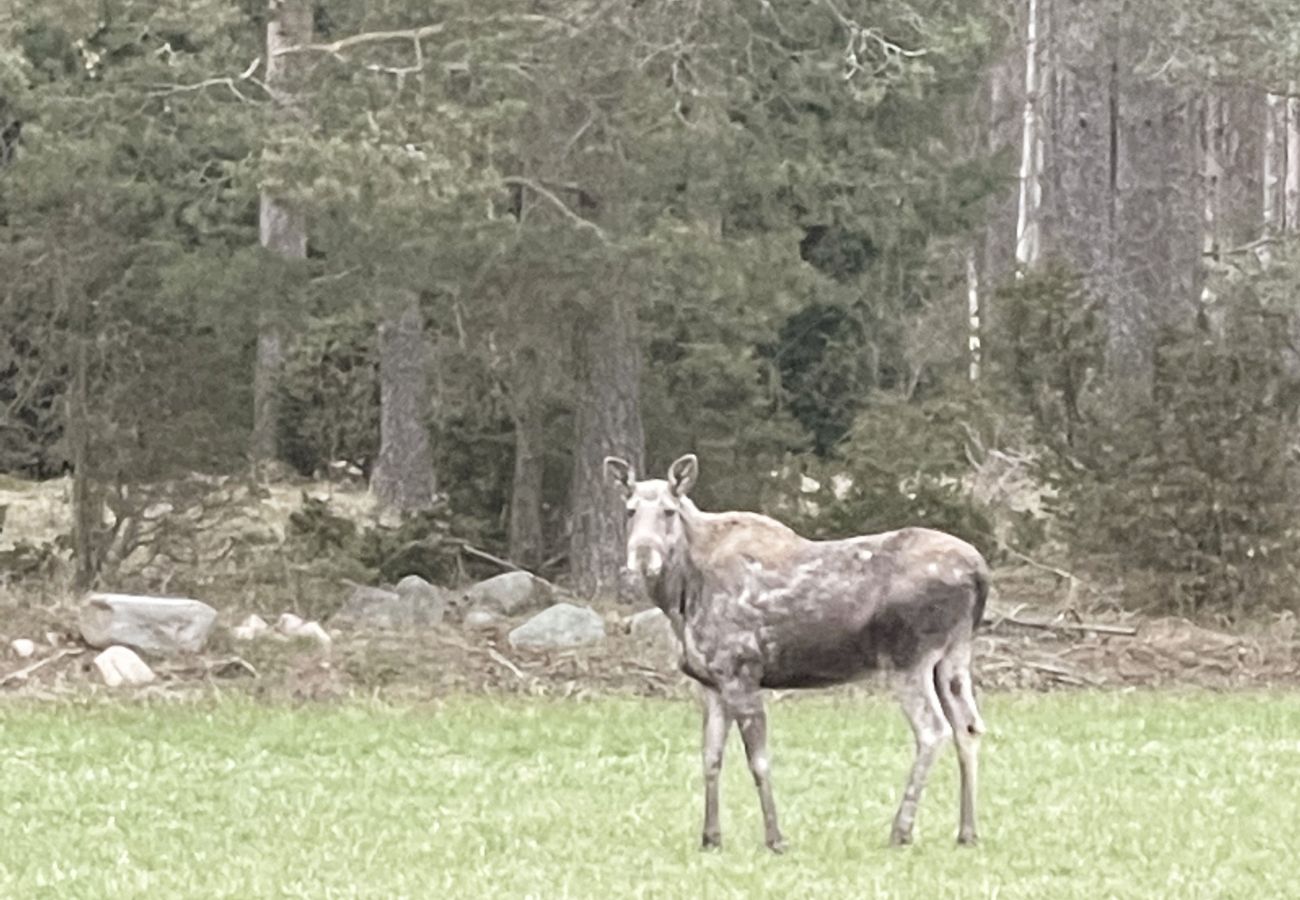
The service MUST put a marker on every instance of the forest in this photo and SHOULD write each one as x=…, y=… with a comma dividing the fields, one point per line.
x=1022, y=270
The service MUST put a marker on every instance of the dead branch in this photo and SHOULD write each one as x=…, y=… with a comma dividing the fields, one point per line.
x=498, y=658
x=1086, y=627
x=229, y=82
x=336, y=48
x=545, y=193
x=484, y=555
x=21, y=674
x=1060, y=673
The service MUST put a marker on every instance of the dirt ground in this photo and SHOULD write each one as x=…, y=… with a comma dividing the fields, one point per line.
x=1019, y=648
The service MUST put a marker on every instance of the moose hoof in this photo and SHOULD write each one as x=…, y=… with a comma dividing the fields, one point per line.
x=967, y=839
x=899, y=839
x=777, y=846
x=711, y=842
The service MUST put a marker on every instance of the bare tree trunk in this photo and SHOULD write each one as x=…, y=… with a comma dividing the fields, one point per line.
x=1291, y=190
x=1031, y=151
x=87, y=507
x=527, y=537
x=403, y=477
x=973, y=315
x=1157, y=221
x=1274, y=172
x=281, y=229
x=608, y=422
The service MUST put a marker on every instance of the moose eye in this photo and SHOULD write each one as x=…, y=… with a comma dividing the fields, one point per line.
x=631, y=512
x=669, y=513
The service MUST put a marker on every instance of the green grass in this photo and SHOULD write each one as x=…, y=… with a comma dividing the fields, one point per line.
x=1084, y=795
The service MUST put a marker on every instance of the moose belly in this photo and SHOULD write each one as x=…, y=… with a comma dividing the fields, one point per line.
x=814, y=660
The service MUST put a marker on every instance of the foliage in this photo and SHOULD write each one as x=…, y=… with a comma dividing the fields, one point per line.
x=902, y=463
x=1200, y=487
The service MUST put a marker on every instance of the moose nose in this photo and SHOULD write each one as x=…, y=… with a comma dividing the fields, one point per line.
x=645, y=561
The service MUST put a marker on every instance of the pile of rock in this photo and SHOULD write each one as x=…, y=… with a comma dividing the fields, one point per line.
x=122, y=624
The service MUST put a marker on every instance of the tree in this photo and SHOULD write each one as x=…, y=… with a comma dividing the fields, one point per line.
x=282, y=229
x=403, y=478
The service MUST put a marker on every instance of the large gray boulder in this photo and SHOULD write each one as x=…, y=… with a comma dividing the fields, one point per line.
x=414, y=603
x=510, y=594
x=161, y=625
x=563, y=625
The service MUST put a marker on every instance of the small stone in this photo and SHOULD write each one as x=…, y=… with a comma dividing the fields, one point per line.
x=563, y=625
x=479, y=618
x=120, y=665
x=314, y=631
x=22, y=647
x=253, y=626
x=288, y=624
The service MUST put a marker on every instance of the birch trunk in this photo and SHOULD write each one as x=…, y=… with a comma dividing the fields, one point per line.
x=281, y=229
x=973, y=314
x=1291, y=190
x=1274, y=173
x=1031, y=152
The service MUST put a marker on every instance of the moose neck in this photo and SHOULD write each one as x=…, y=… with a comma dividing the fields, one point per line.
x=677, y=586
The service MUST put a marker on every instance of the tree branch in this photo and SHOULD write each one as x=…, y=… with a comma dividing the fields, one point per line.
x=336, y=48
x=166, y=90
x=579, y=221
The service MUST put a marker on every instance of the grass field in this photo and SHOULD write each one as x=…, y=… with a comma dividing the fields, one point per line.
x=1084, y=795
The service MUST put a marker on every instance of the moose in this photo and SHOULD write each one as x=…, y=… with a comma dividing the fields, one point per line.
x=755, y=605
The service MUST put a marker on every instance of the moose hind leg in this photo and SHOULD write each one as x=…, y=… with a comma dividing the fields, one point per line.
x=717, y=721
x=920, y=702
x=953, y=684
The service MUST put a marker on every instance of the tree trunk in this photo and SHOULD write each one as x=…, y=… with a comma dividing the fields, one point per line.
x=403, y=477
x=281, y=229
x=1031, y=151
x=1274, y=172
x=1291, y=188
x=527, y=537
x=607, y=423
x=973, y=315
x=87, y=507
x=1157, y=222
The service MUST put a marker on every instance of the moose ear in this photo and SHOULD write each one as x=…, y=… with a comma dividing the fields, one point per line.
x=682, y=474
x=619, y=471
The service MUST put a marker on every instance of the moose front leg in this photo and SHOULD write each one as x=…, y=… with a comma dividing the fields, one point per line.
x=747, y=706
x=717, y=721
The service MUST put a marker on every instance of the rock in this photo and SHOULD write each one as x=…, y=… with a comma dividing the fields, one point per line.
x=427, y=602
x=161, y=625
x=252, y=627
x=510, y=594
x=120, y=665
x=651, y=625
x=480, y=618
x=288, y=624
x=415, y=603
x=563, y=625
x=22, y=647
x=314, y=631
x=291, y=626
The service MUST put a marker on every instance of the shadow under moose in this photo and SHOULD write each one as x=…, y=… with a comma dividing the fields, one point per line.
x=755, y=605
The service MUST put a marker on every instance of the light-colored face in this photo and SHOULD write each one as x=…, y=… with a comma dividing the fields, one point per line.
x=654, y=509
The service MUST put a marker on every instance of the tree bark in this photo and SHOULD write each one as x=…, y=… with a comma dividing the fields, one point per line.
x=527, y=536
x=1291, y=187
x=281, y=229
x=1274, y=172
x=403, y=477
x=607, y=423
x=1031, y=151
